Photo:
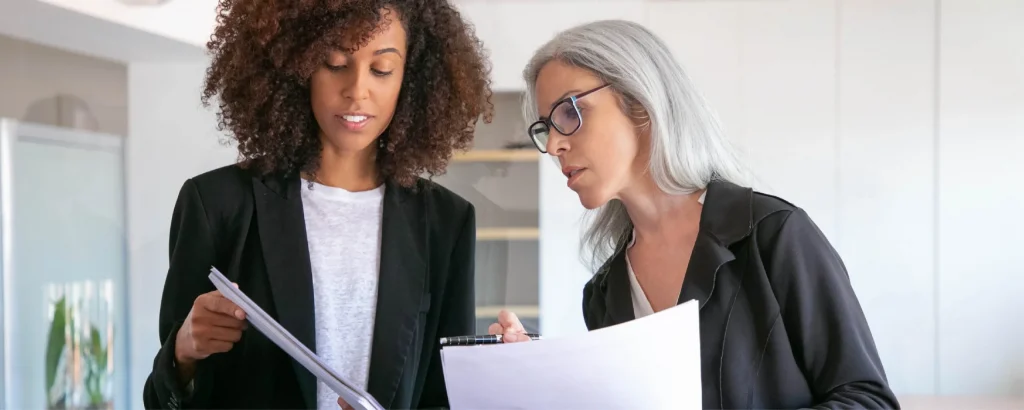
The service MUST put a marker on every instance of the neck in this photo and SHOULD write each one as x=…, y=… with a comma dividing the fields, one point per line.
x=659, y=216
x=350, y=170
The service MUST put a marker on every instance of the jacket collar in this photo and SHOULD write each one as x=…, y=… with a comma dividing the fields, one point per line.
x=726, y=218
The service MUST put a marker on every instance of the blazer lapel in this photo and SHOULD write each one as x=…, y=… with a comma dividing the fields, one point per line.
x=725, y=219
x=618, y=298
x=282, y=230
x=400, y=292
x=707, y=257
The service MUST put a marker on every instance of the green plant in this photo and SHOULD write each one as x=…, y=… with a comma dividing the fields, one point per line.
x=55, y=351
x=94, y=354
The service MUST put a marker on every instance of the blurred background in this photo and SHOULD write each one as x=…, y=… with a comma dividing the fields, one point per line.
x=897, y=124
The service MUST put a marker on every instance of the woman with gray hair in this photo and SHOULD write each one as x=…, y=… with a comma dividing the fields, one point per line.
x=780, y=324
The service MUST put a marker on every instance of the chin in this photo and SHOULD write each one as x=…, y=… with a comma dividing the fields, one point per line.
x=591, y=201
x=351, y=141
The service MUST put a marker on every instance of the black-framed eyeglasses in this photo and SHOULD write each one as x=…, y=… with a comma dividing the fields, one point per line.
x=564, y=117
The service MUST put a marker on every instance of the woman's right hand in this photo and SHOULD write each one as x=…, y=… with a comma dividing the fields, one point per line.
x=213, y=325
x=509, y=327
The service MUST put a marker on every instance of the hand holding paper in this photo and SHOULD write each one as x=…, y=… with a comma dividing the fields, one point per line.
x=348, y=392
x=213, y=325
x=647, y=363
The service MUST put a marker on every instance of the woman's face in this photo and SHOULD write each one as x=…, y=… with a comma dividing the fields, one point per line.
x=354, y=95
x=606, y=154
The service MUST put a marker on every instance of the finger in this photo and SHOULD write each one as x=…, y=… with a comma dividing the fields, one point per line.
x=510, y=321
x=515, y=338
x=219, y=304
x=208, y=318
x=343, y=405
x=217, y=333
x=495, y=329
x=213, y=346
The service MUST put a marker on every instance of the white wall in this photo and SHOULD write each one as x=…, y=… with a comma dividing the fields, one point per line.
x=885, y=178
x=171, y=137
x=189, y=22
x=980, y=173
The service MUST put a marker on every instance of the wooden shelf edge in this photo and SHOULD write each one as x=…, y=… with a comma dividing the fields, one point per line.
x=507, y=234
x=523, y=311
x=498, y=155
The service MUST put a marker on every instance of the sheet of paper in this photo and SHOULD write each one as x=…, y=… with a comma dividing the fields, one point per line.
x=648, y=363
x=353, y=395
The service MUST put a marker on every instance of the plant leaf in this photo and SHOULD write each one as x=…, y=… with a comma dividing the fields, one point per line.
x=55, y=343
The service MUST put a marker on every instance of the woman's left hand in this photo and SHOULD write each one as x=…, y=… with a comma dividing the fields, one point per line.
x=343, y=405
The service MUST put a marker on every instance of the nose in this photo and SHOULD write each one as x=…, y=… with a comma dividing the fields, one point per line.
x=357, y=86
x=558, y=144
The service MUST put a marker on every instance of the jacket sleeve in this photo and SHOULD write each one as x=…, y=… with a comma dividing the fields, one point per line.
x=191, y=255
x=826, y=326
x=458, y=312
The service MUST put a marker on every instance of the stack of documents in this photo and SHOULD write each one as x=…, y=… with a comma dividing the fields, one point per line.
x=648, y=363
x=353, y=395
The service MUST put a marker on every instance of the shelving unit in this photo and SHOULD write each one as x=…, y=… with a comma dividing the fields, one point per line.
x=503, y=185
x=498, y=155
x=507, y=234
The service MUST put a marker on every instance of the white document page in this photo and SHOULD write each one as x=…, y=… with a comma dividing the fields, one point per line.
x=648, y=363
x=354, y=396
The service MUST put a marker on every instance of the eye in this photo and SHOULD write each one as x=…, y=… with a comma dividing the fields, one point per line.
x=381, y=73
x=335, y=68
x=566, y=111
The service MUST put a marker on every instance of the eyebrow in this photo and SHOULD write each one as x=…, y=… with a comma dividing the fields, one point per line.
x=387, y=50
x=376, y=53
x=563, y=96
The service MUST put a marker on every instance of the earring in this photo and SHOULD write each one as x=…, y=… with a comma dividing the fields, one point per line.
x=380, y=143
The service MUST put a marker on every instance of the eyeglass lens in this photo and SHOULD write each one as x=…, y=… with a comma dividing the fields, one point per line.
x=565, y=118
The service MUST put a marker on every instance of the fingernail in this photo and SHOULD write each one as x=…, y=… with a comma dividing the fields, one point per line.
x=239, y=314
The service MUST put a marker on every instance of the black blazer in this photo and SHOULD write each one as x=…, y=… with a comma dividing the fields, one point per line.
x=780, y=326
x=252, y=229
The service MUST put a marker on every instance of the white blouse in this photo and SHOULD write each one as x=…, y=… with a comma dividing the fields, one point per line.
x=641, y=305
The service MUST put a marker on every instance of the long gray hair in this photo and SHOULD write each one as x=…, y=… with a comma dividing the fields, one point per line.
x=688, y=149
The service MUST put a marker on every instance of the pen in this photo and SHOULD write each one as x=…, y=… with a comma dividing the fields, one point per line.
x=478, y=340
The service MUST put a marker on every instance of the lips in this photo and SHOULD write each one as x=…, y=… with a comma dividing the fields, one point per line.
x=354, y=121
x=570, y=171
x=573, y=173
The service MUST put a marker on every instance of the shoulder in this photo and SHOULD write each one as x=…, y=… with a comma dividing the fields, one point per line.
x=771, y=214
x=784, y=230
x=231, y=177
x=220, y=191
x=766, y=206
x=444, y=204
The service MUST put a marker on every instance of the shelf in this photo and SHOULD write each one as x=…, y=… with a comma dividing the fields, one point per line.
x=524, y=311
x=507, y=234
x=498, y=155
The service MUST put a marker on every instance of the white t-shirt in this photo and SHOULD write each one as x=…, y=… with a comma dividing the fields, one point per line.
x=641, y=305
x=343, y=230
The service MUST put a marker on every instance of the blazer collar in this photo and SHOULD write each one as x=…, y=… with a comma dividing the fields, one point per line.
x=401, y=284
x=725, y=219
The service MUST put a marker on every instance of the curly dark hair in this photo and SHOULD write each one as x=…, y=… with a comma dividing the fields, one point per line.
x=265, y=51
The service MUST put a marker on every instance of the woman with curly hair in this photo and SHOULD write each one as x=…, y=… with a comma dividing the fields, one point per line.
x=337, y=108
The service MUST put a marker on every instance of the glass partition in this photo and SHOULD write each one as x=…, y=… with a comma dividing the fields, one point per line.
x=64, y=268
